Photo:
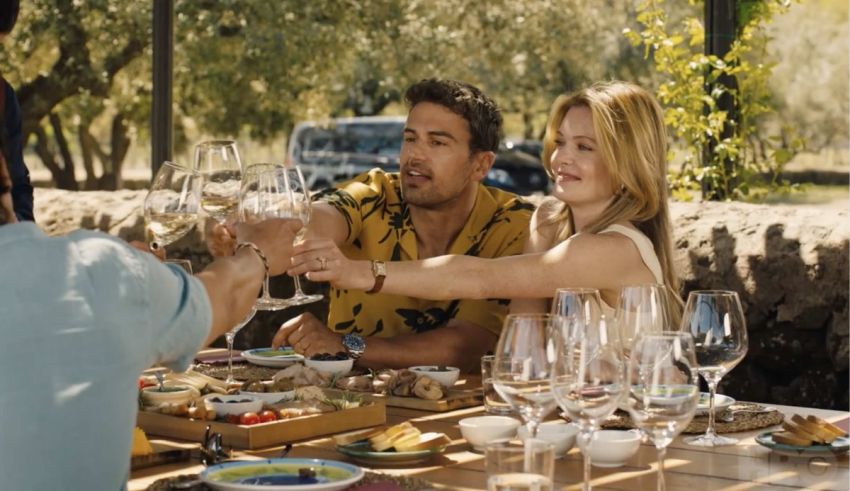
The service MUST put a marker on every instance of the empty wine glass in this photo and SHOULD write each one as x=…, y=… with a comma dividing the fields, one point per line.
x=587, y=378
x=641, y=309
x=220, y=168
x=171, y=205
x=716, y=321
x=229, y=337
x=265, y=194
x=663, y=393
x=302, y=209
x=521, y=368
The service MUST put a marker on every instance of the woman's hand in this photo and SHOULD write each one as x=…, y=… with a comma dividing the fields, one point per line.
x=321, y=260
x=220, y=238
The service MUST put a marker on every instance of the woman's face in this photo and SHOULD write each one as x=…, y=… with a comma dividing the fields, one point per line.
x=581, y=174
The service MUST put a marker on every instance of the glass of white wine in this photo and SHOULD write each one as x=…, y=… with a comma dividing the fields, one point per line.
x=171, y=205
x=662, y=388
x=265, y=194
x=301, y=208
x=587, y=378
x=522, y=366
x=716, y=321
x=219, y=165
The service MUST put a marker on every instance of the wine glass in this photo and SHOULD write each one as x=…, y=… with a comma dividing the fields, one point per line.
x=265, y=194
x=716, y=321
x=521, y=368
x=302, y=209
x=171, y=205
x=218, y=163
x=229, y=337
x=641, y=309
x=587, y=378
x=663, y=390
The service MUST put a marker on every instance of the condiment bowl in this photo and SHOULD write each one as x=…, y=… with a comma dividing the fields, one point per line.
x=481, y=430
x=612, y=448
x=332, y=367
x=560, y=434
x=446, y=376
x=173, y=394
x=233, y=404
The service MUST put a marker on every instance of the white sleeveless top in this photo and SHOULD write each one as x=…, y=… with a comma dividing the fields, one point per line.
x=647, y=254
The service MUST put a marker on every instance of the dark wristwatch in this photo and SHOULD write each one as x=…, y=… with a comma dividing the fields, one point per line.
x=354, y=344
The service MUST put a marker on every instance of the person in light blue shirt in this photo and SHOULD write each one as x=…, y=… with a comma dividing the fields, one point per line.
x=81, y=316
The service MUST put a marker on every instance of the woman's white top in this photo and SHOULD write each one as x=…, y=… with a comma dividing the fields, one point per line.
x=647, y=254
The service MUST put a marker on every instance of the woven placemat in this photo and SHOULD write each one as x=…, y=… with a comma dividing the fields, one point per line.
x=742, y=421
x=372, y=481
x=241, y=371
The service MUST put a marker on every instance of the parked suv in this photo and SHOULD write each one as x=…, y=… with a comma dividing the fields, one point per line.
x=332, y=151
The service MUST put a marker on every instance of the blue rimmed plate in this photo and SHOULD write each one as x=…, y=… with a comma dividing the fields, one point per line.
x=282, y=475
x=277, y=358
x=839, y=446
x=362, y=452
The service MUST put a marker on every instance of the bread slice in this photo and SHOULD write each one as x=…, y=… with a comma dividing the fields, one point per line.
x=141, y=445
x=384, y=441
x=425, y=441
x=356, y=436
x=405, y=440
x=821, y=433
x=826, y=425
x=799, y=432
x=789, y=438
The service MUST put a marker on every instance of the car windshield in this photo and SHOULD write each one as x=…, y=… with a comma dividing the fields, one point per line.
x=365, y=138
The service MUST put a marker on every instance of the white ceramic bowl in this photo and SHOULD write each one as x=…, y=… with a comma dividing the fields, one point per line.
x=560, y=434
x=228, y=404
x=481, y=430
x=612, y=448
x=271, y=397
x=332, y=367
x=446, y=376
x=174, y=394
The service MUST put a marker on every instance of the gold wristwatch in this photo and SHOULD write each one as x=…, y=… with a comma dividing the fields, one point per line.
x=379, y=271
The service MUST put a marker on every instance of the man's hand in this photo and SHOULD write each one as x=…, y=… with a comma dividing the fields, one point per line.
x=274, y=236
x=221, y=239
x=308, y=336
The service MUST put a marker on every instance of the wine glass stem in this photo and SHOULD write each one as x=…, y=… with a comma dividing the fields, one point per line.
x=712, y=389
x=662, y=451
x=298, y=292
x=532, y=426
x=586, y=435
x=266, y=287
x=229, y=338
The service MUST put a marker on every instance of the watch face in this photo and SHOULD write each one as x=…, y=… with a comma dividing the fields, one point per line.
x=354, y=342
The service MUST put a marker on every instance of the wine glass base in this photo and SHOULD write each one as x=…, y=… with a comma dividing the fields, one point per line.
x=272, y=303
x=710, y=441
x=303, y=299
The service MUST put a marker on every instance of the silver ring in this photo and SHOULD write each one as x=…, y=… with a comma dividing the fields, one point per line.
x=323, y=262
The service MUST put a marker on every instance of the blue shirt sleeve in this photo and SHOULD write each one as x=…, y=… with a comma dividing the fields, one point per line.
x=21, y=186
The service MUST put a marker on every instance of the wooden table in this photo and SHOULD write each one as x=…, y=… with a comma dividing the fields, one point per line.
x=746, y=465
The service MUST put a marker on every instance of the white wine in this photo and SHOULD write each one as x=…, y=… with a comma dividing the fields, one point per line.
x=219, y=207
x=168, y=227
x=519, y=481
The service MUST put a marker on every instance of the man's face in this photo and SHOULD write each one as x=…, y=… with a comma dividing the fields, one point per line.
x=436, y=164
x=7, y=212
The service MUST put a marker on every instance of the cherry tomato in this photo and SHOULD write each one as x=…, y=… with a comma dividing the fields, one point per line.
x=143, y=382
x=249, y=418
x=267, y=416
x=232, y=419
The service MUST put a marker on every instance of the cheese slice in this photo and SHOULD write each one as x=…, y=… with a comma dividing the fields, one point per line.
x=141, y=445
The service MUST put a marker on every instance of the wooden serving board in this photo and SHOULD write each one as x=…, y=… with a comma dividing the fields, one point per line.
x=269, y=434
x=164, y=452
x=455, y=399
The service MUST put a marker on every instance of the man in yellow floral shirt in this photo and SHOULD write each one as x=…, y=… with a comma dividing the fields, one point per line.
x=434, y=205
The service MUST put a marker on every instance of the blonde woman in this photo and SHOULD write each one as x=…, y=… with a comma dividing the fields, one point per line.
x=606, y=225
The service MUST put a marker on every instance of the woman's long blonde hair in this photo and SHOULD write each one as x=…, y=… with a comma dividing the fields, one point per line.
x=630, y=131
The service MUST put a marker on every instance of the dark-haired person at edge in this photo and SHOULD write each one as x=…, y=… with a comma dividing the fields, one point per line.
x=434, y=205
x=11, y=137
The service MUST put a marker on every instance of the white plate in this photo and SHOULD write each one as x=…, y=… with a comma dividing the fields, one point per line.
x=267, y=357
x=721, y=403
x=281, y=475
x=837, y=447
x=362, y=452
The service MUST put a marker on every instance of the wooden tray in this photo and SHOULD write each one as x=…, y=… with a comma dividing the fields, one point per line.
x=164, y=452
x=269, y=434
x=455, y=399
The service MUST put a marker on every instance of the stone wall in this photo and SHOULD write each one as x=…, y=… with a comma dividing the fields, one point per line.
x=790, y=264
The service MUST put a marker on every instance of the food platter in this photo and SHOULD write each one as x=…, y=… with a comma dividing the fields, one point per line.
x=361, y=452
x=721, y=403
x=840, y=446
x=267, y=357
x=282, y=474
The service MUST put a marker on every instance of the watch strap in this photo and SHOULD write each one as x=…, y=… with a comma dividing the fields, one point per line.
x=379, y=271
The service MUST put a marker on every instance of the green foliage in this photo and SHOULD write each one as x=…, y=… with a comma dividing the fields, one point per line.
x=696, y=118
